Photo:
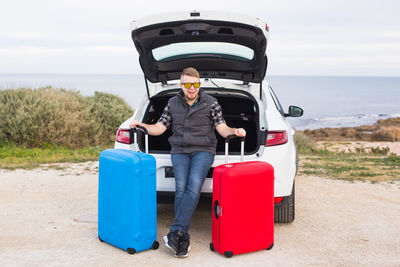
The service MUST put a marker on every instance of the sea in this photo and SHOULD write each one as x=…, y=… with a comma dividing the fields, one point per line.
x=327, y=101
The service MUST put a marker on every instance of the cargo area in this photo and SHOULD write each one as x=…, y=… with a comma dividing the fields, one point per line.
x=240, y=110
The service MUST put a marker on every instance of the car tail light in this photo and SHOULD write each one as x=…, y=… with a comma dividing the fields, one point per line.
x=276, y=138
x=278, y=200
x=123, y=136
x=267, y=27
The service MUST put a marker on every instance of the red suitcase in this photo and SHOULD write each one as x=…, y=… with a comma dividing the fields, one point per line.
x=243, y=206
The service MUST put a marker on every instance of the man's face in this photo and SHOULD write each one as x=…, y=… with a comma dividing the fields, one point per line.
x=192, y=92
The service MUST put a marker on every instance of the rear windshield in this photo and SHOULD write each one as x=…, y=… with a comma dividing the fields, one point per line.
x=177, y=51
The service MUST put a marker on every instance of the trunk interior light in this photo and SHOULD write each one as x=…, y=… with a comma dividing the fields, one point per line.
x=276, y=138
x=123, y=136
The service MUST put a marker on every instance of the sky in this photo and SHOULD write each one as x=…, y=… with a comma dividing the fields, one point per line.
x=310, y=37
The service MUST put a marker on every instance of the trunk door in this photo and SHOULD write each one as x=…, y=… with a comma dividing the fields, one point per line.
x=216, y=44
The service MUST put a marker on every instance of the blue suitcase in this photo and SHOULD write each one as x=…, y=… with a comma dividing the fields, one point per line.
x=127, y=200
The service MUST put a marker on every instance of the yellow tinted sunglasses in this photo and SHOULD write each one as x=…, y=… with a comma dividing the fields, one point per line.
x=188, y=85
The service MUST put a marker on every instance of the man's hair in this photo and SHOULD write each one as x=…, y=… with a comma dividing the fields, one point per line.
x=192, y=72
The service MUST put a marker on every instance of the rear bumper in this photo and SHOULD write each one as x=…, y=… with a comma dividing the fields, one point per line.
x=284, y=169
x=168, y=198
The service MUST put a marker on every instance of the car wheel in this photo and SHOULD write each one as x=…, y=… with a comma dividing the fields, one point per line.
x=284, y=213
x=155, y=245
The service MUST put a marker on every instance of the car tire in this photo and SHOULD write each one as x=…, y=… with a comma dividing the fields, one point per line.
x=284, y=213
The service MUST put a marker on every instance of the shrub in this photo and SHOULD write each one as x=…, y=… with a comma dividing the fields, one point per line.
x=108, y=112
x=380, y=151
x=33, y=118
x=304, y=143
x=387, y=133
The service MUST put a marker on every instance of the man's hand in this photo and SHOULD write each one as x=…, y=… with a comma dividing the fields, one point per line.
x=152, y=129
x=224, y=130
x=135, y=123
x=240, y=132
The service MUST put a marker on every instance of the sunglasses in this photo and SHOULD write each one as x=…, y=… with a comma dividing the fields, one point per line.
x=189, y=85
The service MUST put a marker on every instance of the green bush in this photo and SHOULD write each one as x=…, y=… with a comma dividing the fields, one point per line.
x=108, y=112
x=33, y=118
x=304, y=143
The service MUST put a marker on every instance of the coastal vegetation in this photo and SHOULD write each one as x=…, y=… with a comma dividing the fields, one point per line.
x=49, y=116
x=18, y=157
x=50, y=125
x=319, y=158
x=382, y=130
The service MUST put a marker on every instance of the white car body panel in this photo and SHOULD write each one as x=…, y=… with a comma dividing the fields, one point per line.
x=282, y=157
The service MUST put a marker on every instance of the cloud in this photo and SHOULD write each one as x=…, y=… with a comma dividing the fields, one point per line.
x=308, y=37
x=65, y=39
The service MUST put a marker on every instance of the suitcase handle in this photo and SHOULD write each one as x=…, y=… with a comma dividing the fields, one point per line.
x=216, y=209
x=227, y=139
x=140, y=128
x=146, y=140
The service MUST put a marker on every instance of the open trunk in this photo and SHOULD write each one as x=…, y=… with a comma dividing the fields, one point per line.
x=240, y=110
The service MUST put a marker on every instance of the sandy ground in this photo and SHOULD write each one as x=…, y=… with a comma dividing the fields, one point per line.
x=43, y=214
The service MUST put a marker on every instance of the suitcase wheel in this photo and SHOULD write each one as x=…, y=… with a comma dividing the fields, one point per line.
x=155, y=245
x=228, y=254
x=101, y=240
x=270, y=247
x=212, y=247
x=131, y=250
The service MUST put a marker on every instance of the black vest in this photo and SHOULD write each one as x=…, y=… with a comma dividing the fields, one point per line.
x=192, y=127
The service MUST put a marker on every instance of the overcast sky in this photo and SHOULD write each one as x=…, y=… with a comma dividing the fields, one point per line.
x=306, y=37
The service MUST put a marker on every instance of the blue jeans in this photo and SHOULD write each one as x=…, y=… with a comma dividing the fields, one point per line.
x=190, y=172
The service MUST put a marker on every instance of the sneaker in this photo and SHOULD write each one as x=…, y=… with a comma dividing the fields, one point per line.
x=172, y=240
x=183, y=248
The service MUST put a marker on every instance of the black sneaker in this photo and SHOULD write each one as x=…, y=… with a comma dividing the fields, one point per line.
x=183, y=248
x=172, y=240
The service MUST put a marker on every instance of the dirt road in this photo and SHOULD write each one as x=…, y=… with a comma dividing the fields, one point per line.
x=337, y=223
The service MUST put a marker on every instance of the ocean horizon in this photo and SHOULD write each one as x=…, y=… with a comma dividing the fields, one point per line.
x=328, y=101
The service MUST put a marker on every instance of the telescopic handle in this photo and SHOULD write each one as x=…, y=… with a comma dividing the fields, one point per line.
x=146, y=140
x=140, y=128
x=227, y=139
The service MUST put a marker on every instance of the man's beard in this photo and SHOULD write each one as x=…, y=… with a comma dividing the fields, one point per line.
x=193, y=98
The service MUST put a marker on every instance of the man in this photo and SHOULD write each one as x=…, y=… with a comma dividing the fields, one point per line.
x=193, y=116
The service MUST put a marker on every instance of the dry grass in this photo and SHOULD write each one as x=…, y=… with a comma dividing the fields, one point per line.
x=366, y=163
x=352, y=167
x=13, y=157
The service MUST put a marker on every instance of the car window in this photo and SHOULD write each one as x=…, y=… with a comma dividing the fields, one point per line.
x=276, y=101
x=176, y=51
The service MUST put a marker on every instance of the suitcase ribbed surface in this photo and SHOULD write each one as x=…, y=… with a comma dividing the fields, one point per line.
x=245, y=195
x=127, y=205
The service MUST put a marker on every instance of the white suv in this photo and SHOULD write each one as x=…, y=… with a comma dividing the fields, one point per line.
x=229, y=51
